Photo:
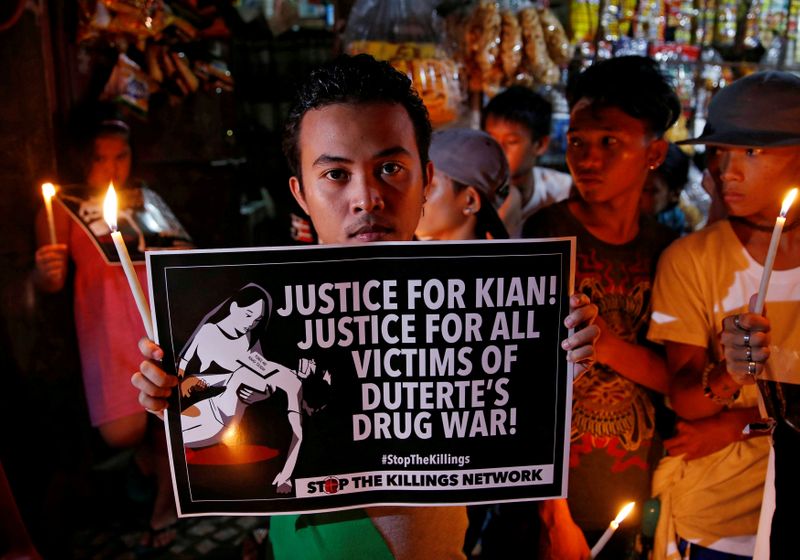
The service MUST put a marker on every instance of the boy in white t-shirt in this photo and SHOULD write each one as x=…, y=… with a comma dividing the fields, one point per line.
x=519, y=119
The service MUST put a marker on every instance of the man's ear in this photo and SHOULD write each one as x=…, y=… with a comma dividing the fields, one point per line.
x=656, y=153
x=429, y=169
x=298, y=194
x=541, y=145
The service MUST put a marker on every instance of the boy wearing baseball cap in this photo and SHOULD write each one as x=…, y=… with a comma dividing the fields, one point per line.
x=711, y=484
x=470, y=181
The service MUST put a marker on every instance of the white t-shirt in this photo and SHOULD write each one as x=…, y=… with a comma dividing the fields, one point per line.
x=549, y=186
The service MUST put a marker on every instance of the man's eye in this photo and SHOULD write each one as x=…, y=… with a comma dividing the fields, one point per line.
x=390, y=168
x=336, y=175
x=609, y=141
x=752, y=152
x=574, y=142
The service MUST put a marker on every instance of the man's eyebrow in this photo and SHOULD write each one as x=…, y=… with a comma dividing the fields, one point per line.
x=393, y=151
x=326, y=159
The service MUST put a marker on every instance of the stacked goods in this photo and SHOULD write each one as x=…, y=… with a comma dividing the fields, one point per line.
x=154, y=39
x=505, y=46
x=434, y=75
x=403, y=33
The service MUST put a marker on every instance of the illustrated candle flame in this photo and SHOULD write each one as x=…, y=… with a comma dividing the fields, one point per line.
x=110, y=216
x=613, y=526
x=48, y=192
x=769, y=261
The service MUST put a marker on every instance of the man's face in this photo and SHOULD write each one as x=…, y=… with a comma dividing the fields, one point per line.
x=609, y=153
x=362, y=178
x=755, y=180
x=518, y=144
x=111, y=161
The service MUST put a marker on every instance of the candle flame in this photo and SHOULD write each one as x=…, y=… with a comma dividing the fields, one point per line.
x=623, y=513
x=788, y=201
x=110, y=207
x=48, y=190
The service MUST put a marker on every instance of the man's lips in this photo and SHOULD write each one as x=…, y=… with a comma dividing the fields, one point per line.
x=370, y=232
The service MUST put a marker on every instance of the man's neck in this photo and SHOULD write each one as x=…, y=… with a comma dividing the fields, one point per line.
x=756, y=243
x=615, y=222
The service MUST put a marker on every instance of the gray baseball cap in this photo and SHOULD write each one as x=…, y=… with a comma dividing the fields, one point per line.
x=760, y=110
x=473, y=158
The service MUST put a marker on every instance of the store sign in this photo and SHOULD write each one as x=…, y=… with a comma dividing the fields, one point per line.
x=321, y=378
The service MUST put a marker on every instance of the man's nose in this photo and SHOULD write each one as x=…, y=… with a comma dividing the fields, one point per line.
x=366, y=195
x=729, y=165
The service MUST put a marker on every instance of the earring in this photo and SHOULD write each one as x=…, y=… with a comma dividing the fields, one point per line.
x=468, y=211
x=653, y=166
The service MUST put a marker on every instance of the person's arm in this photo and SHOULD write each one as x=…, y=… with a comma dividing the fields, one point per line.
x=283, y=480
x=50, y=270
x=686, y=364
x=638, y=363
x=698, y=438
x=560, y=538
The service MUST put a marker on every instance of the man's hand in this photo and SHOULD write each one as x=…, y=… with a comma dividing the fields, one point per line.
x=698, y=438
x=580, y=346
x=560, y=538
x=745, y=341
x=154, y=384
x=51, y=267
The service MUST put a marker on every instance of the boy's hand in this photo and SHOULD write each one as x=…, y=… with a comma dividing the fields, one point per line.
x=580, y=345
x=51, y=266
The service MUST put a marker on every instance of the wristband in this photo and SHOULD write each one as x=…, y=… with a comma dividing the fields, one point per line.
x=709, y=393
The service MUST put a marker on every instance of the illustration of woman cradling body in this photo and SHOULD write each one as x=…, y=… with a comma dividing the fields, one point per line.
x=225, y=351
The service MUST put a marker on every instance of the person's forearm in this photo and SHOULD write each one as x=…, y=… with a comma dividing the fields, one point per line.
x=687, y=395
x=635, y=362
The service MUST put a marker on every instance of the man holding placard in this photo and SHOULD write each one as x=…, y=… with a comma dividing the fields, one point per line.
x=357, y=140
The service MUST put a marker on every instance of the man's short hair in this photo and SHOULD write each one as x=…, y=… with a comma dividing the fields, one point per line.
x=358, y=79
x=521, y=105
x=633, y=84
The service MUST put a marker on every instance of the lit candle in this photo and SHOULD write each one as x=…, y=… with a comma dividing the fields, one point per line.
x=110, y=216
x=773, y=249
x=613, y=526
x=48, y=192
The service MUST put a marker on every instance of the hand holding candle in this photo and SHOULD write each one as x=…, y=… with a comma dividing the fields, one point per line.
x=110, y=216
x=613, y=526
x=48, y=192
x=772, y=251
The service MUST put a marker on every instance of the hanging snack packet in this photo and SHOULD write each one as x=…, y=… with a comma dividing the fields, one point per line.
x=128, y=85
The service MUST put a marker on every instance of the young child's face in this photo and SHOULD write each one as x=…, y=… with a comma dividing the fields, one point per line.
x=754, y=181
x=517, y=143
x=609, y=153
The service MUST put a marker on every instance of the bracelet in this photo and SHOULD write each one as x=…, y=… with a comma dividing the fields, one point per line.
x=710, y=394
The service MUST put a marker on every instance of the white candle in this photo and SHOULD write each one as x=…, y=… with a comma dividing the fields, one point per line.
x=110, y=216
x=613, y=526
x=772, y=251
x=48, y=192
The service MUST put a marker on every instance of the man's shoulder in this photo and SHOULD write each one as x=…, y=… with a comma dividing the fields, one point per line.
x=707, y=241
